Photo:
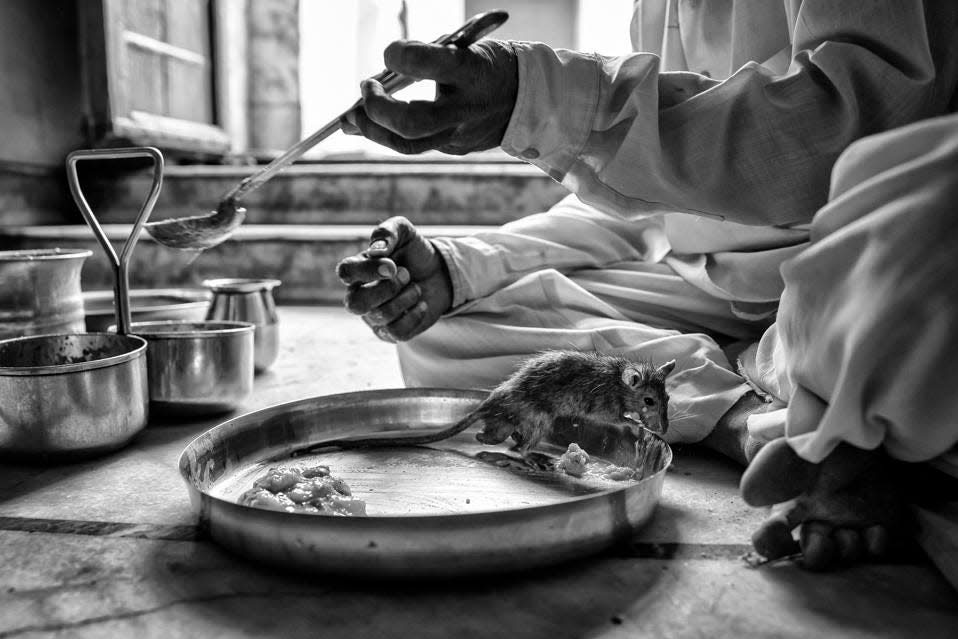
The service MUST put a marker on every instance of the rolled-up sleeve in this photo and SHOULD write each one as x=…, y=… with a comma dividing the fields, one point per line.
x=756, y=148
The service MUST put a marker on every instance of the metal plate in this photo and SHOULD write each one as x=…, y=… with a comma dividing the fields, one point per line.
x=146, y=305
x=454, y=508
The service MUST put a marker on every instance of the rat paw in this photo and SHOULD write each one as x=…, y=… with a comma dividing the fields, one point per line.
x=848, y=509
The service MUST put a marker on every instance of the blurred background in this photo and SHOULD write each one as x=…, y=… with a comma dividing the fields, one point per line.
x=214, y=79
x=221, y=85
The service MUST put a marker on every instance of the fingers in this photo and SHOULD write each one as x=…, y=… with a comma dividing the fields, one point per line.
x=415, y=119
x=421, y=60
x=411, y=323
x=363, y=298
x=387, y=138
x=373, y=264
x=393, y=308
x=398, y=237
x=359, y=269
x=407, y=325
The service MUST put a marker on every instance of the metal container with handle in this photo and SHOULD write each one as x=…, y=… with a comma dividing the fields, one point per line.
x=64, y=396
x=194, y=367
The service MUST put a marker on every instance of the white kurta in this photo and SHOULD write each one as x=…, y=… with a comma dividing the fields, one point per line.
x=699, y=188
x=865, y=349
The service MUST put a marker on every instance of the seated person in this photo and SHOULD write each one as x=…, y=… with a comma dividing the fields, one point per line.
x=690, y=191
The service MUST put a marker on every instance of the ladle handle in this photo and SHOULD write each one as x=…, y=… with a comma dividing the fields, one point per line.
x=121, y=283
x=478, y=26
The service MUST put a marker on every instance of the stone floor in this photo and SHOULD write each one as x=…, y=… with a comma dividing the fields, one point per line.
x=108, y=548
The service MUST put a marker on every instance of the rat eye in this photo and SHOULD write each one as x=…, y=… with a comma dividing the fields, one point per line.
x=648, y=401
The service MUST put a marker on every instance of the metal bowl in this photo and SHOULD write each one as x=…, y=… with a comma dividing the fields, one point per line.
x=452, y=509
x=65, y=396
x=198, y=368
x=146, y=305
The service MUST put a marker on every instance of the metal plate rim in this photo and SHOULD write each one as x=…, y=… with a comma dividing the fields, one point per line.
x=183, y=464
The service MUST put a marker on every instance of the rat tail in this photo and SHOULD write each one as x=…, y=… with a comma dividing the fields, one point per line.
x=410, y=437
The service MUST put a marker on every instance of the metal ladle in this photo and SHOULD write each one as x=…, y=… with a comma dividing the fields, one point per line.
x=121, y=280
x=204, y=231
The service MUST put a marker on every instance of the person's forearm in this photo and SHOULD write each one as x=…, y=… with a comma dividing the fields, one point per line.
x=570, y=236
x=757, y=148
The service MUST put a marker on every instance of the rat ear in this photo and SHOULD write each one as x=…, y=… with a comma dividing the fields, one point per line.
x=666, y=368
x=631, y=378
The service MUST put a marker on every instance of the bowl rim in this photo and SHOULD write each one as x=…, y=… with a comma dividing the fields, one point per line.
x=29, y=255
x=205, y=329
x=59, y=369
x=240, y=284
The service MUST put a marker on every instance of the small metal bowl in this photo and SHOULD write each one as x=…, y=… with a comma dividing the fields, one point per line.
x=64, y=396
x=198, y=368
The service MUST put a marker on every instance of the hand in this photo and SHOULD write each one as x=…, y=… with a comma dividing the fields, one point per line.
x=475, y=92
x=400, y=285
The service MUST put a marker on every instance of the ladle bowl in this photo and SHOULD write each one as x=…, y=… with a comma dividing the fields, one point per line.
x=200, y=232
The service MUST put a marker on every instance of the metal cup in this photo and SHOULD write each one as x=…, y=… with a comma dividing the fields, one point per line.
x=249, y=300
x=40, y=291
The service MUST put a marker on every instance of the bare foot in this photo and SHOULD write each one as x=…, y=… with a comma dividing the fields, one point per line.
x=730, y=436
x=849, y=507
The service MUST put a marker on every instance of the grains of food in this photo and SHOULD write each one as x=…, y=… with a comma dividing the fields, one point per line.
x=303, y=490
x=573, y=461
x=577, y=463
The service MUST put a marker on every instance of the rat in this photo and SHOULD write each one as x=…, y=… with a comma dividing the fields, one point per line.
x=551, y=385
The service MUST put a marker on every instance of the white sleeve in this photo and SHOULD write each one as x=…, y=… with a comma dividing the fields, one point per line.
x=756, y=148
x=569, y=236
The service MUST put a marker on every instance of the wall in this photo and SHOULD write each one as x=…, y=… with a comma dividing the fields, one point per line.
x=40, y=100
x=40, y=109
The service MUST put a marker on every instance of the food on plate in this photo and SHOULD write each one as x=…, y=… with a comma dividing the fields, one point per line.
x=577, y=463
x=573, y=461
x=296, y=489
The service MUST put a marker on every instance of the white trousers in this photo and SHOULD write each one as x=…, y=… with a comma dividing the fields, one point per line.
x=636, y=309
x=865, y=349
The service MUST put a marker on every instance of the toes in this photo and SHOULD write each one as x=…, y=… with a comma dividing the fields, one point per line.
x=774, y=539
x=851, y=545
x=819, y=550
x=877, y=540
x=776, y=475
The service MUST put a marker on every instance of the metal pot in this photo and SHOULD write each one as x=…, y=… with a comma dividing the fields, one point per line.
x=71, y=395
x=40, y=292
x=249, y=300
x=198, y=368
